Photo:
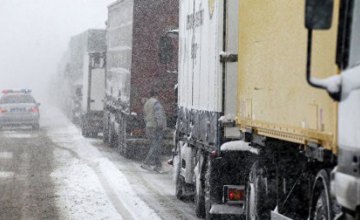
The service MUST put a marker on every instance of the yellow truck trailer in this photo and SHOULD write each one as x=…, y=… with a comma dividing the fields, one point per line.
x=257, y=134
x=281, y=111
x=274, y=99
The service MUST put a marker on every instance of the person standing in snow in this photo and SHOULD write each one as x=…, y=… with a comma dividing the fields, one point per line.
x=155, y=120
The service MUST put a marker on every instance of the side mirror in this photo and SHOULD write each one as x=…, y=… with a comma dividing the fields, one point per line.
x=166, y=50
x=318, y=14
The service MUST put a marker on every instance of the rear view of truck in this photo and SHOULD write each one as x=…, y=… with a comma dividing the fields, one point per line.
x=79, y=91
x=93, y=94
x=134, y=68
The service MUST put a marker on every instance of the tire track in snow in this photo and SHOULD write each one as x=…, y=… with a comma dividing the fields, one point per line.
x=167, y=206
x=120, y=208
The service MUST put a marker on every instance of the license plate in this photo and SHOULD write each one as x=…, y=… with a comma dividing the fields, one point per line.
x=17, y=110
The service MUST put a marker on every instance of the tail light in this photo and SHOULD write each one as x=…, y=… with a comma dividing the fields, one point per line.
x=2, y=110
x=170, y=162
x=137, y=132
x=215, y=154
x=34, y=109
x=234, y=194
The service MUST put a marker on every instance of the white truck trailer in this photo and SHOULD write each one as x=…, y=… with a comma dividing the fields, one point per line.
x=208, y=36
x=81, y=75
x=93, y=93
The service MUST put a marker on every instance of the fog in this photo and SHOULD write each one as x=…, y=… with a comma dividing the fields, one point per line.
x=35, y=33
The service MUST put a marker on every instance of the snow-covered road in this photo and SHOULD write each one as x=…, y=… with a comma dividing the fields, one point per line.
x=93, y=181
x=55, y=173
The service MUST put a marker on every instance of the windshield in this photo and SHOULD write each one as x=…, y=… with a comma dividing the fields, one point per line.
x=11, y=99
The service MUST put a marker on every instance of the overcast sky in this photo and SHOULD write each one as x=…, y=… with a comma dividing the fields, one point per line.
x=35, y=33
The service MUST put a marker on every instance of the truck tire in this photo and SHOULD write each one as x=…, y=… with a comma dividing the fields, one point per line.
x=84, y=127
x=85, y=132
x=256, y=194
x=106, y=135
x=106, y=128
x=179, y=180
x=207, y=196
x=321, y=206
x=199, y=197
x=112, y=136
x=123, y=147
x=94, y=134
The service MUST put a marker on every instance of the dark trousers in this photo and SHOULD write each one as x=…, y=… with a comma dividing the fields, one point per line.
x=155, y=137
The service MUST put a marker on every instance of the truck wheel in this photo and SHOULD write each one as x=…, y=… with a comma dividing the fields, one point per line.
x=256, y=194
x=179, y=181
x=94, y=134
x=123, y=147
x=84, y=131
x=110, y=134
x=199, y=197
x=321, y=202
x=105, y=135
x=112, y=137
x=207, y=196
x=106, y=128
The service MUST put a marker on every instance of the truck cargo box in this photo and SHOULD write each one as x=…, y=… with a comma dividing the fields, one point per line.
x=207, y=84
x=274, y=98
x=134, y=68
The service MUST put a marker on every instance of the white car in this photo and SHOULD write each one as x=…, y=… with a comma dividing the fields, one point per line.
x=17, y=108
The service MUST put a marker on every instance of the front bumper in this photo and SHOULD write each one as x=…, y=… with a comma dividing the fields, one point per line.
x=345, y=179
x=346, y=189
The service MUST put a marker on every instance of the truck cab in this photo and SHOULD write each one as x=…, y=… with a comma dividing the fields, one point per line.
x=343, y=88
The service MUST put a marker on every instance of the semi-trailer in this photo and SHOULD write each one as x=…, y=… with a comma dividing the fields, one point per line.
x=80, y=81
x=134, y=68
x=207, y=89
x=296, y=154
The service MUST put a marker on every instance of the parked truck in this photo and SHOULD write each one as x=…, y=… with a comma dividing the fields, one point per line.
x=93, y=93
x=296, y=154
x=207, y=89
x=134, y=68
x=84, y=57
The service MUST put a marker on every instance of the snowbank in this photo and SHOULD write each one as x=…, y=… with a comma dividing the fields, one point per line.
x=238, y=146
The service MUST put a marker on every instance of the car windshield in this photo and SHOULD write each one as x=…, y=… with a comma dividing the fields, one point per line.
x=10, y=99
